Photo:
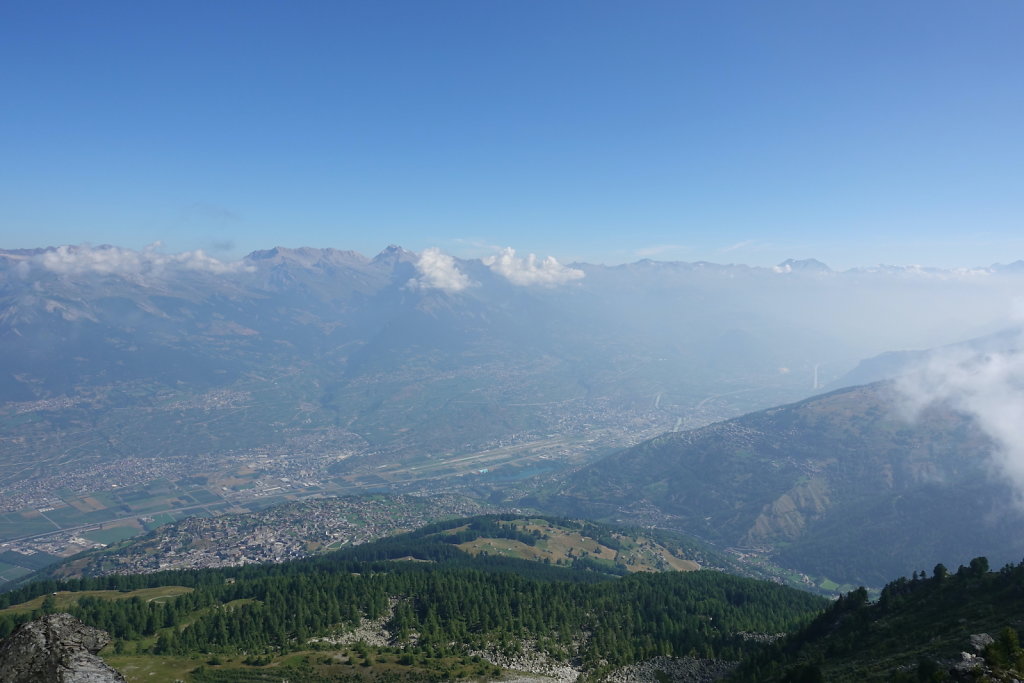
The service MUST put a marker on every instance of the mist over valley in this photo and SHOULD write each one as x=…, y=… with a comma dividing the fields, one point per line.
x=560, y=342
x=143, y=387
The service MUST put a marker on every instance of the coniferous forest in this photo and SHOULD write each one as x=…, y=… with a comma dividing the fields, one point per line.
x=442, y=614
x=437, y=603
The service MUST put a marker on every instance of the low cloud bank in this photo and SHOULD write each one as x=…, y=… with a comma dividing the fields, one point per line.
x=109, y=260
x=438, y=271
x=529, y=271
x=989, y=387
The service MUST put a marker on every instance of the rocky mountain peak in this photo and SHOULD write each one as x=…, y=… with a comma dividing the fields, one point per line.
x=395, y=254
x=58, y=648
x=807, y=265
x=307, y=257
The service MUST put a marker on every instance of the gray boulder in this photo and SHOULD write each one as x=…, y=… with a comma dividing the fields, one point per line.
x=57, y=648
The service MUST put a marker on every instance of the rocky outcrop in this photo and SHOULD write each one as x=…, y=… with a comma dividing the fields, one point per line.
x=675, y=669
x=788, y=515
x=57, y=648
x=531, y=660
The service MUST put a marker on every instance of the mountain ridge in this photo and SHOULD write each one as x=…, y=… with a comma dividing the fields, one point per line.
x=813, y=485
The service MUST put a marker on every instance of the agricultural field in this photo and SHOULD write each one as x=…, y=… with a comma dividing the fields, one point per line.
x=10, y=572
x=15, y=524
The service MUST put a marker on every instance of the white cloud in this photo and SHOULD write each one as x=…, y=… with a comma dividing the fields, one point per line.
x=438, y=271
x=109, y=260
x=530, y=271
x=988, y=387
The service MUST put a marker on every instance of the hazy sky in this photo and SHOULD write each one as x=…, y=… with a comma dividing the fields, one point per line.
x=854, y=132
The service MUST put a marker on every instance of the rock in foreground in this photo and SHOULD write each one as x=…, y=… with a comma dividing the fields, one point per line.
x=57, y=648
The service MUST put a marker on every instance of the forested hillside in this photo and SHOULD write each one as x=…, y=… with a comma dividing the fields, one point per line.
x=918, y=630
x=843, y=486
x=432, y=616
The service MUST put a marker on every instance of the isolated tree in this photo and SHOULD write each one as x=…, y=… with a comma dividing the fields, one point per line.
x=49, y=605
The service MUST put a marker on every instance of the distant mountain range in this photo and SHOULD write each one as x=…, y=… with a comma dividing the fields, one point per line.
x=120, y=356
x=124, y=367
x=893, y=364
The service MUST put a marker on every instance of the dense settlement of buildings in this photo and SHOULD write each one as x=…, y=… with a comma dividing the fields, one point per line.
x=280, y=533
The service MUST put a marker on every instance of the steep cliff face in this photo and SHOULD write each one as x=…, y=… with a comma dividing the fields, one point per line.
x=57, y=648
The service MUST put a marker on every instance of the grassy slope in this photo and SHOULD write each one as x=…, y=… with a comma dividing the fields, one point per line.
x=65, y=599
x=560, y=544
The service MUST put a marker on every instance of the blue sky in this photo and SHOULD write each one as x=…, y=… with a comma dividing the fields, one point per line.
x=854, y=132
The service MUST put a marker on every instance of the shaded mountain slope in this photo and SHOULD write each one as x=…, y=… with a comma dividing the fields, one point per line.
x=840, y=485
